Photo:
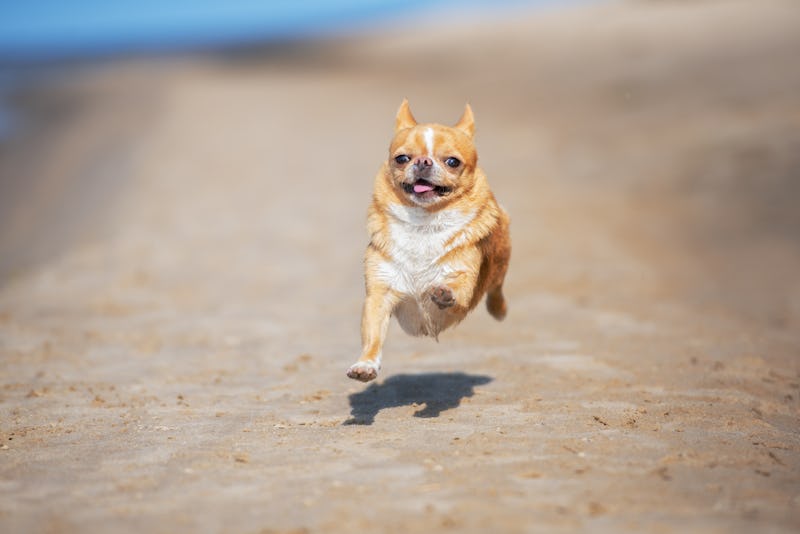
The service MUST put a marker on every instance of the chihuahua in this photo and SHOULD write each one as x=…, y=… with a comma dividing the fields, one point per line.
x=438, y=239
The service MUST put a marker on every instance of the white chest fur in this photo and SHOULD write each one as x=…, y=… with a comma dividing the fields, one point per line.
x=419, y=240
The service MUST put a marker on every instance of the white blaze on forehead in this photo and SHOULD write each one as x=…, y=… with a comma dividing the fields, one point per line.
x=429, y=141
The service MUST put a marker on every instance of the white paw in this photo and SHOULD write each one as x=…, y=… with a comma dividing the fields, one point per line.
x=364, y=371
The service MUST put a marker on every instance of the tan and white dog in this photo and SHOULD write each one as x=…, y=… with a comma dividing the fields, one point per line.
x=438, y=239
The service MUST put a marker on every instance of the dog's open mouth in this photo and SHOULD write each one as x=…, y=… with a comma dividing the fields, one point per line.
x=425, y=189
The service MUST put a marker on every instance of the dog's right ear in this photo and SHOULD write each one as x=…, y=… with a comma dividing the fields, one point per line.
x=404, y=118
x=467, y=122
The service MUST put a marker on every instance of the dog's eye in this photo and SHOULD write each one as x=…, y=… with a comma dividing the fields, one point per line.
x=402, y=158
x=452, y=162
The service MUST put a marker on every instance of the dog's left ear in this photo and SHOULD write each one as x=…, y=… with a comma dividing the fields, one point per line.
x=467, y=122
x=404, y=118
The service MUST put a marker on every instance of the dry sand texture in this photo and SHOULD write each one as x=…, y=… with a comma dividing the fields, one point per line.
x=181, y=244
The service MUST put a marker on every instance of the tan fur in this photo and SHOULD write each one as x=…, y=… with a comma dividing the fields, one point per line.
x=432, y=256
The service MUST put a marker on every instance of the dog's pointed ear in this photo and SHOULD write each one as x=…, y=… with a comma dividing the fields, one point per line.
x=467, y=122
x=404, y=118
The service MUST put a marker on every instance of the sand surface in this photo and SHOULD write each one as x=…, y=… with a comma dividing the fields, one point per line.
x=181, y=245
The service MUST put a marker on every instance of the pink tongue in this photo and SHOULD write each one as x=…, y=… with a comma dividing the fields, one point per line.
x=422, y=188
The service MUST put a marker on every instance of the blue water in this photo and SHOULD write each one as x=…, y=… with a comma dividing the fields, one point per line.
x=36, y=30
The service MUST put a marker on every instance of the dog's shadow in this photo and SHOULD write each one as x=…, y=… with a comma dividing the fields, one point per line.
x=437, y=391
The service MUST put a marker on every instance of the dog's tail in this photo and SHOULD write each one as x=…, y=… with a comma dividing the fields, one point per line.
x=496, y=303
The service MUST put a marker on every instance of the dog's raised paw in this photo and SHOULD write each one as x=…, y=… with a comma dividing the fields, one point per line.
x=443, y=297
x=363, y=371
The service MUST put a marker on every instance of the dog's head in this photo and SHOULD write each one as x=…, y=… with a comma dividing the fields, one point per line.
x=431, y=164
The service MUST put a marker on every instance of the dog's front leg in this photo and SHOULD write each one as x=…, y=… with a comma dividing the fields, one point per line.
x=458, y=288
x=375, y=316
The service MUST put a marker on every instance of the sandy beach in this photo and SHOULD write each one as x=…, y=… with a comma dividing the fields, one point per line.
x=181, y=282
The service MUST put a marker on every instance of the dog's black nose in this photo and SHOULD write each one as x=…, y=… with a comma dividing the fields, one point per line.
x=423, y=162
x=422, y=167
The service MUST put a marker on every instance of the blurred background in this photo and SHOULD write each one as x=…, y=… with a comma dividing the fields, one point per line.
x=648, y=150
x=50, y=30
x=183, y=192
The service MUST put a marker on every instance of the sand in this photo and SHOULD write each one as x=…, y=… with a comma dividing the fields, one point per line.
x=181, y=247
